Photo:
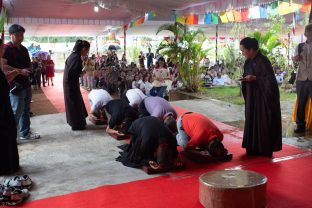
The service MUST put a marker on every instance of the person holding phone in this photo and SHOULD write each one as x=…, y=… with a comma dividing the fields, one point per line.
x=263, y=125
x=16, y=57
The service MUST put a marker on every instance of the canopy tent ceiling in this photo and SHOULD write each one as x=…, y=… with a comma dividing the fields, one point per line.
x=59, y=17
x=77, y=17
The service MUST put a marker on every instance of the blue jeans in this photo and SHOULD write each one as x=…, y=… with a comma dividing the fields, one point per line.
x=158, y=91
x=182, y=137
x=21, y=108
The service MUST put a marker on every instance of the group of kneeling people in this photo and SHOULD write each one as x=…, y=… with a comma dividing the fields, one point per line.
x=155, y=129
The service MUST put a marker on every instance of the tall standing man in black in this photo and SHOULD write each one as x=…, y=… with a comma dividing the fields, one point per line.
x=304, y=78
x=263, y=125
x=16, y=57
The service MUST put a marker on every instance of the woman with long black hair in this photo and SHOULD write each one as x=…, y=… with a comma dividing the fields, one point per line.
x=76, y=112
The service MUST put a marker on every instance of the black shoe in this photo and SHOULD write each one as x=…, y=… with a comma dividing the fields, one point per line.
x=299, y=129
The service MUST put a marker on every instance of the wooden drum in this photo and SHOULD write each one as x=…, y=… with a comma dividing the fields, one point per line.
x=232, y=189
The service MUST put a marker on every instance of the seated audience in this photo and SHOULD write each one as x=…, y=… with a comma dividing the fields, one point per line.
x=136, y=82
x=226, y=78
x=146, y=84
x=218, y=80
x=279, y=75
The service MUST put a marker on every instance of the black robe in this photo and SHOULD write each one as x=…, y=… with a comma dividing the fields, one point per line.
x=263, y=126
x=9, y=159
x=74, y=105
x=120, y=113
x=146, y=134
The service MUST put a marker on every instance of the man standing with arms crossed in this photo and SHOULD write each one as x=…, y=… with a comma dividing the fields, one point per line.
x=16, y=57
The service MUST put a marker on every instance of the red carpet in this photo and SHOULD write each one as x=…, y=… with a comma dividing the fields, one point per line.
x=289, y=185
x=56, y=96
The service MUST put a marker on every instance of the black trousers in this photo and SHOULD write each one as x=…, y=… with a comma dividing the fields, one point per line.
x=304, y=91
x=142, y=110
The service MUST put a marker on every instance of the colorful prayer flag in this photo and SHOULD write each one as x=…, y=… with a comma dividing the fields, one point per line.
x=273, y=8
x=254, y=12
x=237, y=16
x=223, y=17
x=287, y=8
x=245, y=14
x=263, y=12
x=215, y=18
x=305, y=7
x=192, y=19
x=180, y=19
x=201, y=19
x=293, y=29
x=208, y=18
x=230, y=16
x=140, y=21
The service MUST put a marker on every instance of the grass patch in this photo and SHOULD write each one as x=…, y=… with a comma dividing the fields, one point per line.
x=231, y=94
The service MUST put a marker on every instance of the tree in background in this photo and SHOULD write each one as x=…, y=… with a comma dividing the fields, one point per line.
x=185, y=50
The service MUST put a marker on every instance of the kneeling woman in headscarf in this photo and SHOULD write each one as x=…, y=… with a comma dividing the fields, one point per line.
x=152, y=145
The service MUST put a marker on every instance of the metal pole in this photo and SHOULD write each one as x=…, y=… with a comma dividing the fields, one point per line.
x=125, y=41
x=217, y=36
x=97, y=45
x=288, y=51
x=2, y=34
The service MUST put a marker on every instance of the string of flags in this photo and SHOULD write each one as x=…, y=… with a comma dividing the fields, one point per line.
x=261, y=11
x=140, y=20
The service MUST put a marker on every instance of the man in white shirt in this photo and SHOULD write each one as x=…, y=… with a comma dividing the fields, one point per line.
x=135, y=97
x=218, y=80
x=98, y=98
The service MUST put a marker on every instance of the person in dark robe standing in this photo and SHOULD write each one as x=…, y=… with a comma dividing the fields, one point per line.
x=263, y=126
x=9, y=159
x=76, y=112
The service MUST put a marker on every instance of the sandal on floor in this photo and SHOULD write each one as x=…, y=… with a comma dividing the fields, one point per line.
x=20, y=182
x=13, y=196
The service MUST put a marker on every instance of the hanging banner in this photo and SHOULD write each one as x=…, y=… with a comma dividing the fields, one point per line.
x=261, y=11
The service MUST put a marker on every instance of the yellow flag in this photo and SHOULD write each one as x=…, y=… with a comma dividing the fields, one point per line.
x=223, y=17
